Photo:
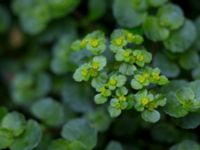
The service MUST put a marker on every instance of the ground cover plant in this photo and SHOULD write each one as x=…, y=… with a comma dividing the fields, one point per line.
x=99, y=75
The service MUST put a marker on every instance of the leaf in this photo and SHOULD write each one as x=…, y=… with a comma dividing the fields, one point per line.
x=196, y=73
x=189, y=59
x=127, y=69
x=167, y=66
x=59, y=144
x=62, y=7
x=170, y=16
x=6, y=138
x=100, y=99
x=79, y=130
x=185, y=94
x=95, y=42
x=125, y=15
x=136, y=85
x=162, y=131
x=114, y=112
x=99, y=119
x=195, y=85
x=181, y=39
x=153, y=30
x=61, y=64
x=35, y=20
x=76, y=145
x=121, y=80
x=186, y=145
x=30, y=138
x=82, y=73
x=49, y=111
x=101, y=60
x=171, y=88
x=76, y=95
x=173, y=107
x=191, y=121
x=121, y=91
x=114, y=145
x=100, y=80
x=151, y=116
x=28, y=87
x=15, y=122
x=37, y=14
x=140, y=5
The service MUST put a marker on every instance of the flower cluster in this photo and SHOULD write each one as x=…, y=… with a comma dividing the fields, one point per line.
x=91, y=69
x=144, y=77
x=94, y=42
x=147, y=102
x=113, y=79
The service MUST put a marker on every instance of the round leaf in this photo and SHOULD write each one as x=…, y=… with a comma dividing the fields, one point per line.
x=15, y=122
x=181, y=39
x=80, y=130
x=49, y=111
x=167, y=66
x=186, y=145
x=171, y=16
x=151, y=116
x=125, y=15
x=30, y=138
x=153, y=30
x=191, y=121
x=114, y=112
x=189, y=59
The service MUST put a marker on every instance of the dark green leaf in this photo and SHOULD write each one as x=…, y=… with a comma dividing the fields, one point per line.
x=181, y=39
x=30, y=138
x=79, y=130
x=49, y=111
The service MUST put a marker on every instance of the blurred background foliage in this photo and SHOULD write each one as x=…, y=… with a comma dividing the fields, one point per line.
x=43, y=108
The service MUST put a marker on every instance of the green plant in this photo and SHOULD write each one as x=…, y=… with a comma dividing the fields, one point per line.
x=128, y=67
x=99, y=74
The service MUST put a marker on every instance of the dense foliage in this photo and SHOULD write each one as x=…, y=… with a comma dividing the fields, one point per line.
x=99, y=74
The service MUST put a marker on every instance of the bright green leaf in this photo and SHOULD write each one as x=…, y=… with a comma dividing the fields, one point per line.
x=151, y=116
x=114, y=112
